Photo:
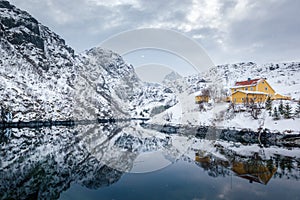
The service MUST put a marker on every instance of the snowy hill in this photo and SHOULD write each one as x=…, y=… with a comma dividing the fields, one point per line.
x=41, y=78
x=283, y=77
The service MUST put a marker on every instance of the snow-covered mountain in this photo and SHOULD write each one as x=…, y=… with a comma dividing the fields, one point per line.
x=41, y=78
x=172, y=76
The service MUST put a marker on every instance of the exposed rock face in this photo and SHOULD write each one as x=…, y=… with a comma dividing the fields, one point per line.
x=37, y=69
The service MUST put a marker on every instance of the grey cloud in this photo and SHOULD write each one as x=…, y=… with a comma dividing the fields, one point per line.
x=274, y=27
x=267, y=31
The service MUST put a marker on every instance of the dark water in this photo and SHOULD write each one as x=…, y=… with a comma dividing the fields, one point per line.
x=126, y=161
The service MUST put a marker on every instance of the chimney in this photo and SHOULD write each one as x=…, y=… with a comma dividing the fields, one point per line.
x=249, y=79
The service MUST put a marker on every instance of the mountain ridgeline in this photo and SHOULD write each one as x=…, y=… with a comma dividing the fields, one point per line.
x=42, y=78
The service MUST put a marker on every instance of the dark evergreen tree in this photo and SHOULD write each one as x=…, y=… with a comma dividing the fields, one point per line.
x=297, y=111
x=2, y=119
x=280, y=108
x=269, y=105
x=287, y=111
x=6, y=114
x=276, y=114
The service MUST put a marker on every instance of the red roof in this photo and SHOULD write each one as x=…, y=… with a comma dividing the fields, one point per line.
x=248, y=82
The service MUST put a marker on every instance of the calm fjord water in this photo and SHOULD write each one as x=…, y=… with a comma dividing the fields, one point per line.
x=125, y=161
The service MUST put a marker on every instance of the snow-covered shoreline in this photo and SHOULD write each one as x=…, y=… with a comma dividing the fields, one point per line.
x=218, y=116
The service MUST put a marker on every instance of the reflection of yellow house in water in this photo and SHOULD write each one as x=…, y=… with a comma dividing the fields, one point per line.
x=254, y=171
x=202, y=159
x=256, y=90
x=207, y=161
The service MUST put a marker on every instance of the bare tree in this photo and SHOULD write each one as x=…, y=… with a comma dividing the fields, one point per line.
x=168, y=116
x=201, y=107
x=231, y=106
x=205, y=93
x=254, y=108
x=246, y=102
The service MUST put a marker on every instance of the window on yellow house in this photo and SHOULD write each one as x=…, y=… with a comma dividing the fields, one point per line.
x=266, y=88
x=246, y=88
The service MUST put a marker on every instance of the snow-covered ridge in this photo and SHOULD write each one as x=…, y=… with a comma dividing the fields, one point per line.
x=41, y=78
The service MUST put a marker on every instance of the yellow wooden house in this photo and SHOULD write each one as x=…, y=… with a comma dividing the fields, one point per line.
x=200, y=97
x=255, y=90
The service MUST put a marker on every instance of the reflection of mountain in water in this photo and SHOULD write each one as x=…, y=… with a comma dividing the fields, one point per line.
x=41, y=163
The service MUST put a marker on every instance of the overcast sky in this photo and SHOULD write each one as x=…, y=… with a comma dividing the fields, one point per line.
x=229, y=30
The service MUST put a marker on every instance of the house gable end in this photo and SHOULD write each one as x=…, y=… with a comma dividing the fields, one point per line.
x=264, y=86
